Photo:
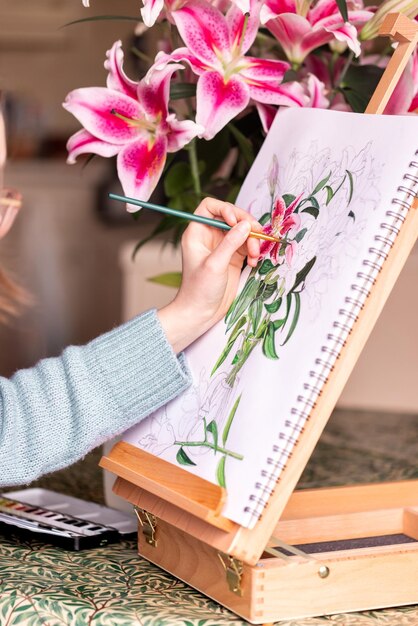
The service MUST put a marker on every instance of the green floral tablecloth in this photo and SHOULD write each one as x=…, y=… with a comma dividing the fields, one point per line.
x=112, y=586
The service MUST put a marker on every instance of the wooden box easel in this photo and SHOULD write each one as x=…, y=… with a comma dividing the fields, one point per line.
x=356, y=547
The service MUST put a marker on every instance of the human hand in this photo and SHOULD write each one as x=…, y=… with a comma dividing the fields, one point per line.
x=212, y=264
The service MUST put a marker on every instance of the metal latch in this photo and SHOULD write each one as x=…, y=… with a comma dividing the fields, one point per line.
x=233, y=569
x=149, y=525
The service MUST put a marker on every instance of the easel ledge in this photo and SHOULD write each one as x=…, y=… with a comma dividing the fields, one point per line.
x=169, y=482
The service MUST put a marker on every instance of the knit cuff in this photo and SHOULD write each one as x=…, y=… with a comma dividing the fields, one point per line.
x=141, y=368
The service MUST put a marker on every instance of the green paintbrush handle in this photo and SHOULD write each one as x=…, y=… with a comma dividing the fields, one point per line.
x=191, y=217
x=163, y=209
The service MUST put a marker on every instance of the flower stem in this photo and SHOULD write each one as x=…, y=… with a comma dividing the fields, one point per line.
x=207, y=444
x=341, y=77
x=194, y=167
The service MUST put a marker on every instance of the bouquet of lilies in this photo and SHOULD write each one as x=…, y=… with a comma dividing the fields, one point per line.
x=222, y=70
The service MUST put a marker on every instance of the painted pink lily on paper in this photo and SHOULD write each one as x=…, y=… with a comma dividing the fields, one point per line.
x=301, y=28
x=228, y=78
x=283, y=222
x=130, y=120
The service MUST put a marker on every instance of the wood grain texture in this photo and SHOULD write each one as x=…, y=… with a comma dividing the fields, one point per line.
x=291, y=588
x=191, y=493
x=404, y=31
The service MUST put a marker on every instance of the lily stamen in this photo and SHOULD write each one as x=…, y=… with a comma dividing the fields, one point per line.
x=133, y=121
x=244, y=29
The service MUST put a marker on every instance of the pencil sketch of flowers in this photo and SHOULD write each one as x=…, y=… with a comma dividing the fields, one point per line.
x=201, y=429
x=266, y=311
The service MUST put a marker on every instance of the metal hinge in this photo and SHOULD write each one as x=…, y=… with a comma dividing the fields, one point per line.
x=233, y=569
x=149, y=525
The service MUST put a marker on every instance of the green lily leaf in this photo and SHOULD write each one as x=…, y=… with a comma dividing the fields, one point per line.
x=178, y=178
x=242, y=302
x=312, y=211
x=351, y=181
x=212, y=428
x=99, y=18
x=269, y=290
x=342, y=5
x=270, y=278
x=359, y=85
x=295, y=317
x=169, y=279
x=230, y=419
x=237, y=331
x=279, y=323
x=269, y=348
x=266, y=267
x=321, y=184
x=182, y=458
x=220, y=472
x=302, y=274
x=288, y=198
x=330, y=194
x=265, y=218
x=254, y=313
x=274, y=306
x=300, y=235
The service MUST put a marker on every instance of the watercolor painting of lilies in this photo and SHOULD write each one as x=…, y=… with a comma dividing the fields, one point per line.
x=319, y=192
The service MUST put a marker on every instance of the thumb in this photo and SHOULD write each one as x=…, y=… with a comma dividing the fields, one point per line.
x=233, y=240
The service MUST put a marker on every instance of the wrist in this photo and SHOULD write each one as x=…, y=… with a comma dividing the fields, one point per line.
x=182, y=324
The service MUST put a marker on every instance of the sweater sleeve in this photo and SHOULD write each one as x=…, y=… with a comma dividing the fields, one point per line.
x=54, y=413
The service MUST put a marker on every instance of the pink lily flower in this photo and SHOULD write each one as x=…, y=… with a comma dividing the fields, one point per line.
x=130, y=120
x=300, y=34
x=228, y=79
x=310, y=93
x=283, y=220
x=413, y=107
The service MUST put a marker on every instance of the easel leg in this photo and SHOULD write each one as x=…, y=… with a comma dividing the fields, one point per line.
x=404, y=31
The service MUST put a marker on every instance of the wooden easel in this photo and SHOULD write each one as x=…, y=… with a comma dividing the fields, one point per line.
x=253, y=573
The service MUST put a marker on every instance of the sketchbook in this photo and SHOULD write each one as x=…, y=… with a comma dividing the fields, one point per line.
x=334, y=187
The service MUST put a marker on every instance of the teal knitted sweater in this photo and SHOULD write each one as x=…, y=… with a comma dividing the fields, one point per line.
x=54, y=413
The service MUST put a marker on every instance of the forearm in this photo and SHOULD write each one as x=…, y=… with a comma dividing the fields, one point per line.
x=54, y=413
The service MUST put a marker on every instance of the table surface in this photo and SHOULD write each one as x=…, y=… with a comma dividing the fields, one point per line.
x=113, y=586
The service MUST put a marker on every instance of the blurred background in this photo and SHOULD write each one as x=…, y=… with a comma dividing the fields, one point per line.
x=72, y=250
x=65, y=244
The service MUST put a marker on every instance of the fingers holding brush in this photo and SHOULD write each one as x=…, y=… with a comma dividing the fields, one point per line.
x=231, y=215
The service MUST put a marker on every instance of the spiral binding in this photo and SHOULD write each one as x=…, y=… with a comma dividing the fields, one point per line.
x=282, y=451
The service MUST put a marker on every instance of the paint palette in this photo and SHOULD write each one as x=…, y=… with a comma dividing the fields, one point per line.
x=28, y=520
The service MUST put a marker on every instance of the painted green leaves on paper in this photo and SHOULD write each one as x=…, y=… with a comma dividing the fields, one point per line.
x=212, y=440
x=266, y=312
x=265, y=315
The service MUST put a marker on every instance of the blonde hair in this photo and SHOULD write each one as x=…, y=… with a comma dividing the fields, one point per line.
x=13, y=298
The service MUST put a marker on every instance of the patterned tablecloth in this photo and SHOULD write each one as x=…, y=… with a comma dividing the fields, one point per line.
x=112, y=586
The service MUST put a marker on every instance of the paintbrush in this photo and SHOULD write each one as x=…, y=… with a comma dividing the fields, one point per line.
x=192, y=217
